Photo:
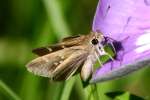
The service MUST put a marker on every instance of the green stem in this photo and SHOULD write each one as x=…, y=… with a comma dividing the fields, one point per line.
x=67, y=89
x=95, y=92
x=10, y=93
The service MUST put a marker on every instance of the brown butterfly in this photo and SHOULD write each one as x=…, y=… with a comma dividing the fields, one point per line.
x=64, y=59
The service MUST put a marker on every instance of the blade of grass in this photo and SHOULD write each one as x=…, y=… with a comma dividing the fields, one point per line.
x=95, y=92
x=92, y=92
x=6, y=89
x=61, y=29
x=67, y=89
x=79, y=89
x=56, y=18
x=54, y=90
x=29, y=89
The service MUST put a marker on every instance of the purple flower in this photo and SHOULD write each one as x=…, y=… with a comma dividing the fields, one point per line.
x=128, y=22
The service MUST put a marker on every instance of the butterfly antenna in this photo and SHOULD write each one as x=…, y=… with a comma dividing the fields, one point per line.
x=113, y=47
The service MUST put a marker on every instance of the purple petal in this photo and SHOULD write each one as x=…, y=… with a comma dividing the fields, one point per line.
x=127, y=21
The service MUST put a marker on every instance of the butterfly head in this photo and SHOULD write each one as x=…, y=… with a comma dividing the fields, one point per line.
x=97, y=39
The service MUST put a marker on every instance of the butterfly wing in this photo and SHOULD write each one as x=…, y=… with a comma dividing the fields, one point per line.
x=70, y=65
x=66, y=42
x=58, y=65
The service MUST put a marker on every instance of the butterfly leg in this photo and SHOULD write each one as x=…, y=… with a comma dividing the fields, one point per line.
x=101, y=51
x=97, y=56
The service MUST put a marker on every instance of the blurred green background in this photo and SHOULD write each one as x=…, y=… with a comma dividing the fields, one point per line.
x=27, y=24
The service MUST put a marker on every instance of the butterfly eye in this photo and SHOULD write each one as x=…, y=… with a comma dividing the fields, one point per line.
x=94, y=41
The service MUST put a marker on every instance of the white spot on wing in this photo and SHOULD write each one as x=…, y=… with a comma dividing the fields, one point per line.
x=45, y=59
x=60, y=62
x=50, y=49
x=56, y=63
x=62, y=57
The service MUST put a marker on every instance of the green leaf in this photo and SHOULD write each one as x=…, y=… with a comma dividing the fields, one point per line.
x=113, y=95
x=122, y=95
x=134, y=97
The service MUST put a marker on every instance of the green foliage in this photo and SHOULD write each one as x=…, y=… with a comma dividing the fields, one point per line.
x=27, y=24
x=121, y=95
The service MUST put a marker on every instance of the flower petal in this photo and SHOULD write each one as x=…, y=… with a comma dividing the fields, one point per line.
x=127, y=21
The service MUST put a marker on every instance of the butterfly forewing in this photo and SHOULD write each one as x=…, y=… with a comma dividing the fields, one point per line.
x=57, y=62
x=70, y=38
x=66, y=42
x=70, y=65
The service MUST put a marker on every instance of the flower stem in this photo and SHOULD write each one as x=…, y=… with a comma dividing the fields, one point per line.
x=93, y=95
x=96, y=96
x=67, y=89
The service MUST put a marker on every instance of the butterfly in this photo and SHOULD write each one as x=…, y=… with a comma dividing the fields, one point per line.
x=72, y=55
